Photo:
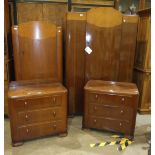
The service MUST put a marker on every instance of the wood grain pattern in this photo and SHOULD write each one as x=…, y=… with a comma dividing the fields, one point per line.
x=29, y=12
x=37, y=51
x=111, y=59
x=103, y=62
x=127, y=49
x=143, y=48
x=75, y=44
x=93, y=2
x=37, y=108
x=110, y=109
x=54, y=13
x=143, y=81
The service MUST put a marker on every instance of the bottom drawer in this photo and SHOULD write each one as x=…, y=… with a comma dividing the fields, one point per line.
x=110, y=124
x=41, y=129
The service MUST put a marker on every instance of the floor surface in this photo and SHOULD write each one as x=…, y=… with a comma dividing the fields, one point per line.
x=78, y=141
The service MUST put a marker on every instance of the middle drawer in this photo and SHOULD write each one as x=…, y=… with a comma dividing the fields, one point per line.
x=119, y=112
x=36, y=116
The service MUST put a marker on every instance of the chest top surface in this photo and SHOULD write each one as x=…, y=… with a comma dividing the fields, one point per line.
x=19, y=89
x=112, y=87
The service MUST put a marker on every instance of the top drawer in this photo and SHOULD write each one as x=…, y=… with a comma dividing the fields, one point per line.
x=37, y=103
x=110, y=99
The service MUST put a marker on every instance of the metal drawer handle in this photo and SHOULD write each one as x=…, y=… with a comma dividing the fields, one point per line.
x=25, y=103
x=96, y=96
x=95, y=121
x=54, y=126
x=95, y=108
x=54, y=99
x=54, y=113
x=120, y=124
x=123, y=99
x=27, y=130
x=122, y=111
x=26, y=116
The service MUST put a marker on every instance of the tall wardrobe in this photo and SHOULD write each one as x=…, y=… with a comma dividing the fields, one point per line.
x=98, y=49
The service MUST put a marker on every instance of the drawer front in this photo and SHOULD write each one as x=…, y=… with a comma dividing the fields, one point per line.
x=37, y=116
x=39, y=130
x=110, y=99
x=119, y=112
x=110, y=124
x=38, y=103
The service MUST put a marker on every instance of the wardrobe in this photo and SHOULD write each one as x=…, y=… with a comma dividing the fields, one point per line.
x=98, y=49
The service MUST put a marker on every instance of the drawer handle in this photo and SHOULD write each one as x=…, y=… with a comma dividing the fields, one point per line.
x=123, y=99
x=122, y=111
x=54, y=113
x=120, y=124
x=96, y=96
x=54, y=99
x=54, y=126
x=27, y=130
x=26, y=116
x=25, y=103
x=95, y=121
x=95, y=108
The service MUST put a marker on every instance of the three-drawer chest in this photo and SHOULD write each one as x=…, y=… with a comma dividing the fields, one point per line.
x=110, y=106
x=36, y=109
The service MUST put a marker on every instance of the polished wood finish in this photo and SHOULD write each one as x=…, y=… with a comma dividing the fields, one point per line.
x=37, y=51
x=143, y=48
x=110, y=106
x=143, y=82
x=75, y=44
x=103, y=62
x=37, y=108
x=127, y=47
x=111, y=59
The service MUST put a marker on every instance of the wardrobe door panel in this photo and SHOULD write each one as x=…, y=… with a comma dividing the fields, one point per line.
x=75, y=58
x=37, y=51
x=128, y=45
x=103, y=37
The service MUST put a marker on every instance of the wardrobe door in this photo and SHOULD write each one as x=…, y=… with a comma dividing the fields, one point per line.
x=37, y=51
x=103, y=40
x=128, y=45
x=75, y=60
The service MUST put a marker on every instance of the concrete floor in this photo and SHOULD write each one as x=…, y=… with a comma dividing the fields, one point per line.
x=78, y=141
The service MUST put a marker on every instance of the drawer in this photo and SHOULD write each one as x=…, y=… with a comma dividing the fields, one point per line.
x=110, y=99
x=36, y=116
x=42, y=129
x=37, y=103
x=119, y=112
x=110, y=124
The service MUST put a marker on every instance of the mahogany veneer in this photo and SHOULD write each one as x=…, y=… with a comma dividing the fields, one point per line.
x=111, y=106
x=36, y=108
x=112, y=38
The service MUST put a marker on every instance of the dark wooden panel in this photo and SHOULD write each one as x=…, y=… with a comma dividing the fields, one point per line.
x=127, y=50
x=29, y=12
x=37, y=51
x=143, y=48
x=75, y=44
x=103, y=36
x=54, y=13
x=143, y=81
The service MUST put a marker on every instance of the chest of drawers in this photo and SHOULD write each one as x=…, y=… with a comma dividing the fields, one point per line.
x=36, y=110
x=111, y=106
